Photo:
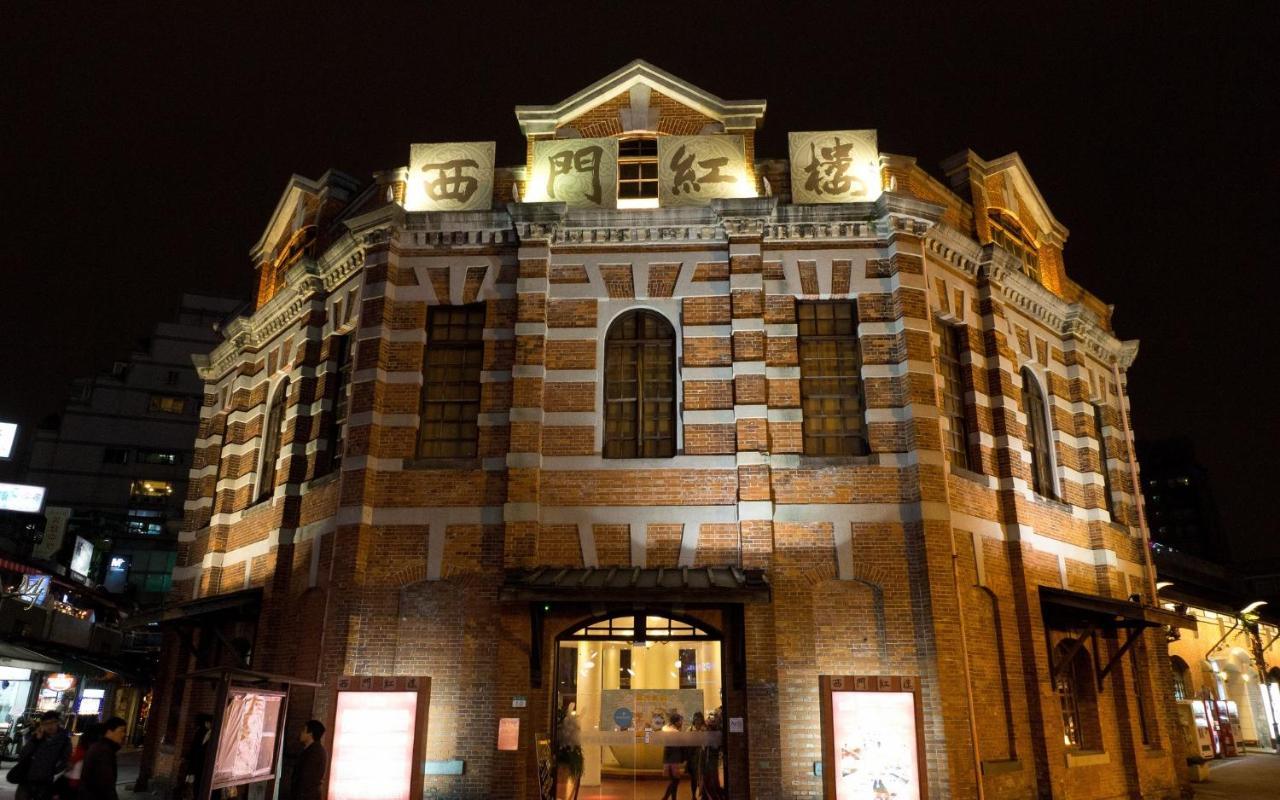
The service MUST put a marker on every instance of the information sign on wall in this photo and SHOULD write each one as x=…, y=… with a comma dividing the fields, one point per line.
x=694, y=170
x=834, y=166
x=580, y=172
x=871, y=738
x=21, y=497
x=248, y=740
x=82, y=557
x=453, y=176
x=55, y=528
x=379, y=738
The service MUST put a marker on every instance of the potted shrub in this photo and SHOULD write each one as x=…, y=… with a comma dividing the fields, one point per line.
x=1199, y=768
x=569, y=759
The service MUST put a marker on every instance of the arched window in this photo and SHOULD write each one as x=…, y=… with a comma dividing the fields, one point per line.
x=1037, y=443
x=640, y=387
x=271, y=442
x=1181, y=678
x=1077, y=696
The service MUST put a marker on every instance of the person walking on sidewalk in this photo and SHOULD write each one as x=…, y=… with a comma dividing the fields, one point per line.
x=99, y=775
x=45, y=755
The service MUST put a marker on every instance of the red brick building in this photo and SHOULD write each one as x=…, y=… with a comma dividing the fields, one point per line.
x=646, y=432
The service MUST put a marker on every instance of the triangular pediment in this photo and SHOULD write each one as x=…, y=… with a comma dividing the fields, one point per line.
x=733, y=115
x=302, y=203
x=1005, y=184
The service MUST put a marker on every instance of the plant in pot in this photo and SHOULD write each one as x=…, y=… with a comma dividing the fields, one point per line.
x=569, y=750
x=1199, y=768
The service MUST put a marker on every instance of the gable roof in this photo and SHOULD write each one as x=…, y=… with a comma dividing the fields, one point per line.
x=969, y=166
x=734, y=114
x=333, y=184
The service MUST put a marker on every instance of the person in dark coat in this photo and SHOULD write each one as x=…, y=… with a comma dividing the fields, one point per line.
x=46, y=755
x=194, y=760
x=99, y=775
x=308, y=772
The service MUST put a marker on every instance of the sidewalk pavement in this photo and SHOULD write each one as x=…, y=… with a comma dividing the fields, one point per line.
x=127, y=761
x=1255, y=776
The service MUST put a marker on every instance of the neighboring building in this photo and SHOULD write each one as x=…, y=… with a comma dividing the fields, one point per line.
x=1181, y=513
x=662, y=425
x=115, y=461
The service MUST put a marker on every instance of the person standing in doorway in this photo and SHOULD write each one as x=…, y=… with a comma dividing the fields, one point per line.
x=672, y=757
x=99, y=775
x=308, y=772
x=46, y=754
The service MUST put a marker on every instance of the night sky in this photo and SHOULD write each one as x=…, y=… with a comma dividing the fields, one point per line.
x=142, y=154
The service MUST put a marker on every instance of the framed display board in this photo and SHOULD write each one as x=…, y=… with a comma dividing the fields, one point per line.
x=379, y=739
x=872, y=746
x=249, y=738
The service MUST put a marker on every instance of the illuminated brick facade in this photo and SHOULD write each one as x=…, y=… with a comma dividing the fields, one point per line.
x=896, y=561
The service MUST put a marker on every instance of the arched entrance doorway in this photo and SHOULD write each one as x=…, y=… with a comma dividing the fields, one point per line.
x=642, y=694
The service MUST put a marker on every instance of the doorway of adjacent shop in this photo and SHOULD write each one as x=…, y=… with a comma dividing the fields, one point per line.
x=639, y=707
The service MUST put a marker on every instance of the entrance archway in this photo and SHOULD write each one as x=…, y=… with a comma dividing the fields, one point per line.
x=642, y=694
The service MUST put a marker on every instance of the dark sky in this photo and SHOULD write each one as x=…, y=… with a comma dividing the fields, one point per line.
x=142, y=153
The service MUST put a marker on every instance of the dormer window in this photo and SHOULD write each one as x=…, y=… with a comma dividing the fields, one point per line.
x=638, y=173
x=1010, y=236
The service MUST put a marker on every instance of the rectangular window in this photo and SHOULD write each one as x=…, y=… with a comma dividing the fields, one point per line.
x=164, y=457
x=1103, y=457
x=150, y=490
x=624, y=668
x=168, y=404
x=343, y=358
x=1140, y=693
x=568, y=678
x=637, y=170
x=451, y=382
x=954, y=406
x=171, y=378
x=115, y=455
x=688, y=668
x=830, y=379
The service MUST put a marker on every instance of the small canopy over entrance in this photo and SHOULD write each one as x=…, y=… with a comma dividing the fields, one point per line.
x=605, y=584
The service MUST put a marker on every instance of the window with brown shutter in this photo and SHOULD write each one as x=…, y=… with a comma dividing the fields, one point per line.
x=830, y=379
x=640, y=387
x=954, y=406
x=451, y=382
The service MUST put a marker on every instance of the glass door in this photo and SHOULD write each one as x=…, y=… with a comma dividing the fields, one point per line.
x=640, y=697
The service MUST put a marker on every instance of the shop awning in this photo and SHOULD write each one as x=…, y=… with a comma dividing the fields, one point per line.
x=605, y=584
x=11, y=655
x=193, y=610
x=1065, y=610
x=14, y=566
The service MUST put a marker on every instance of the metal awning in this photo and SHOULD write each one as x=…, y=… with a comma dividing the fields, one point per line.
x=192, y=610
x=604, y=584
x=1067, y=610
x=11, y=655
x=244, y=675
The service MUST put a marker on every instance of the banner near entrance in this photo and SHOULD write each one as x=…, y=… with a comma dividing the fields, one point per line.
x=834, y=166
x=454, y=176
x=379, y=738
x=871, y=745
x=580, y=172
x=694, y=170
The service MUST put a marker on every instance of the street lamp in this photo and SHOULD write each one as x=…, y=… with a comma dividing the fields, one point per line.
x=1249, y=614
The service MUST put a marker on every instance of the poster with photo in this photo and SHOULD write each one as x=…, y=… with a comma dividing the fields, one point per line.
x=249, y=739
x=871, y=732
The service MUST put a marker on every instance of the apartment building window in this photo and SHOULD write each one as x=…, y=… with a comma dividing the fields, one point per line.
x=342, y=357
x=638, y=173
x=1014, y=240
x=161, y=457
x=830, y=379
x=954, y=407
x=451, y=382
x=168, y=404
x=1103, y=458
x=115, y=455
x=1033, y=405
x=640, y=387
x=271, y=442
x=171, y=377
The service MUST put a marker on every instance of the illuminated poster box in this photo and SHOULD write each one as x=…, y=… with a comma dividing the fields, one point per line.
x=379, y=738
x=248, y=742
x=871, y=743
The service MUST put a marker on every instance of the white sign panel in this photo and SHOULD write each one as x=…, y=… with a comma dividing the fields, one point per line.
x=21, y=497
x=8, y=435
x=373, y=746
x=693, y=170
x=834, y=166
x=55, y=528
x=580, y=172
x=82, y=557
x=453, y=176
x=875, y=745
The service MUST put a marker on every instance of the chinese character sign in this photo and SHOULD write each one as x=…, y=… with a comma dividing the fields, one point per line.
x=693, y=170
x=580, y=172
x=834, y=167
x=455, y=176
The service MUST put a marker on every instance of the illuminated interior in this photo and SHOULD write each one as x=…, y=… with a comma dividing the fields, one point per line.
x=620, y=684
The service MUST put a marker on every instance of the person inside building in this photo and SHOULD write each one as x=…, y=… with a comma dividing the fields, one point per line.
x=693, y=755
x=308, y=772
x=98, y=777
x=197, y=749
x=45, y=755
x=672, y=757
